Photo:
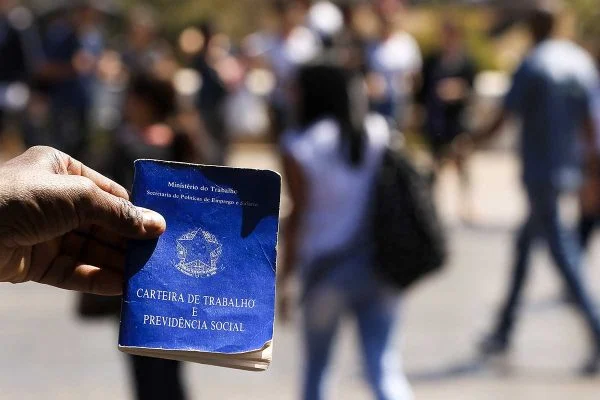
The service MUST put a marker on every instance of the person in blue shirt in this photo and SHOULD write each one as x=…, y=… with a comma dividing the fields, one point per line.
x=551, y=95
x=59, y=74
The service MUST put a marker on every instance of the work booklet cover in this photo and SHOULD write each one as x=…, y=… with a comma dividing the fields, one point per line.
x=205, y=290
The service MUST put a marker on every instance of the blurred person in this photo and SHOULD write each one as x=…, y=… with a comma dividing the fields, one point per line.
x=284, y=52
x=330, y=163
x=20, y=52
x=65, y=225
x=350, y=43
x=326, y=20
x=213, y=93
x=90, y=31
x=447, y=83
x=60, y=79
x=145, y=51
x=146, y=132
x=550, y=94
x=394, y=62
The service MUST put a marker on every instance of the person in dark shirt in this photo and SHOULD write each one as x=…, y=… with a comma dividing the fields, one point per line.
x=448, y=76
x=146, y=132
x=20, y=51
x=211, y=97
x=62, y=82
x=551, y=95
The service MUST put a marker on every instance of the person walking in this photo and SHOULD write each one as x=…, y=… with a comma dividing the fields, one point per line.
x=394, y=62
x=551, y=95
x=330, y=162
x=447, y=83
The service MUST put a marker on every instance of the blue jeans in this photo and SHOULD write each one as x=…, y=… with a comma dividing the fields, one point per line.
x=375, y=310
x=544, y=222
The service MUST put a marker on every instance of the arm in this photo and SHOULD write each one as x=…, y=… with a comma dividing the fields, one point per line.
x=478, y=138
x=590, y=140
x=515, y=101
x=589, y=193
x=297, y=188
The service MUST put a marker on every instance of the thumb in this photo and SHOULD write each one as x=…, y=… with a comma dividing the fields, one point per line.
x=95, y=206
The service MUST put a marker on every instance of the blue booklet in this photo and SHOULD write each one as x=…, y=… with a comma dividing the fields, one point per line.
x=205, y=290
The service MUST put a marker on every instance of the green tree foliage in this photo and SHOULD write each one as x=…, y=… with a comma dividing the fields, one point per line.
x=236, y=17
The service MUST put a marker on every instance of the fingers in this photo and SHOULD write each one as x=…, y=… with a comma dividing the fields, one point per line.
x=75, y=167
x=95, y=206
x=49, y=159
x=66, y=273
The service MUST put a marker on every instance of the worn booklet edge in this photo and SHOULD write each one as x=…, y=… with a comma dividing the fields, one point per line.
x=256, y=360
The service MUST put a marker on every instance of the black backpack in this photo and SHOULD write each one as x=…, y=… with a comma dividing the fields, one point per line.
x=409, y=238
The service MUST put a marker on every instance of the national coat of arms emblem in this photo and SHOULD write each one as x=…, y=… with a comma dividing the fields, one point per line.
x=199, y=252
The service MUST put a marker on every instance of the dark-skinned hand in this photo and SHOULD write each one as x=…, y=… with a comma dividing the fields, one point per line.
x=65, y=225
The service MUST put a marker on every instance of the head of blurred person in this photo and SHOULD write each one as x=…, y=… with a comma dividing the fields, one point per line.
x=289, y=13
x=208, y=29
x=452, y=37
x=328, y=91
x=86, y=16
x=387, y=11
x=149, y=101
x=143, y=27
x=217, y=45
x=542, y=22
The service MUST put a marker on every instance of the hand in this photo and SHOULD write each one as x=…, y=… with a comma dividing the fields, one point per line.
x=462, y=146
x=65, y=225
x=452, y=90
x=589, y=194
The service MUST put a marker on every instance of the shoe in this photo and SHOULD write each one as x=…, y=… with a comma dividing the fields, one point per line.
x=494, y=344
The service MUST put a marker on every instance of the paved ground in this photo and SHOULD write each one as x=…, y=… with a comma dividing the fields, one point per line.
x=46, y=353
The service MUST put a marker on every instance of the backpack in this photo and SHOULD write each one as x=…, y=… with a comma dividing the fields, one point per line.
x=409, y=239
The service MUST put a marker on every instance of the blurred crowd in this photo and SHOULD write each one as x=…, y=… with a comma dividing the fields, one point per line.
x=70, y=73
x=333, y=98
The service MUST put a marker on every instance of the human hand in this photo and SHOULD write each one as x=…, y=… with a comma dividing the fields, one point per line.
x=462, y=146
x=452, y=90
x=65, y=225
x=589, y=194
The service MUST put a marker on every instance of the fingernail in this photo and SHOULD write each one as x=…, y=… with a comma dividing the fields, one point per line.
x=153, y=221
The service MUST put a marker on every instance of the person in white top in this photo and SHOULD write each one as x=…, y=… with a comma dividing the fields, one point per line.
x=330, y=163
x=393, y=61
x=292, y=45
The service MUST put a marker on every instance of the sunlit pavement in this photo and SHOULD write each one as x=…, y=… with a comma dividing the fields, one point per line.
x=45, y=353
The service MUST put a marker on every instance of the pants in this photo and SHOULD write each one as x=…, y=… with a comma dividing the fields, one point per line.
x=157, y=379
x=544, y=222
x=376, y=316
